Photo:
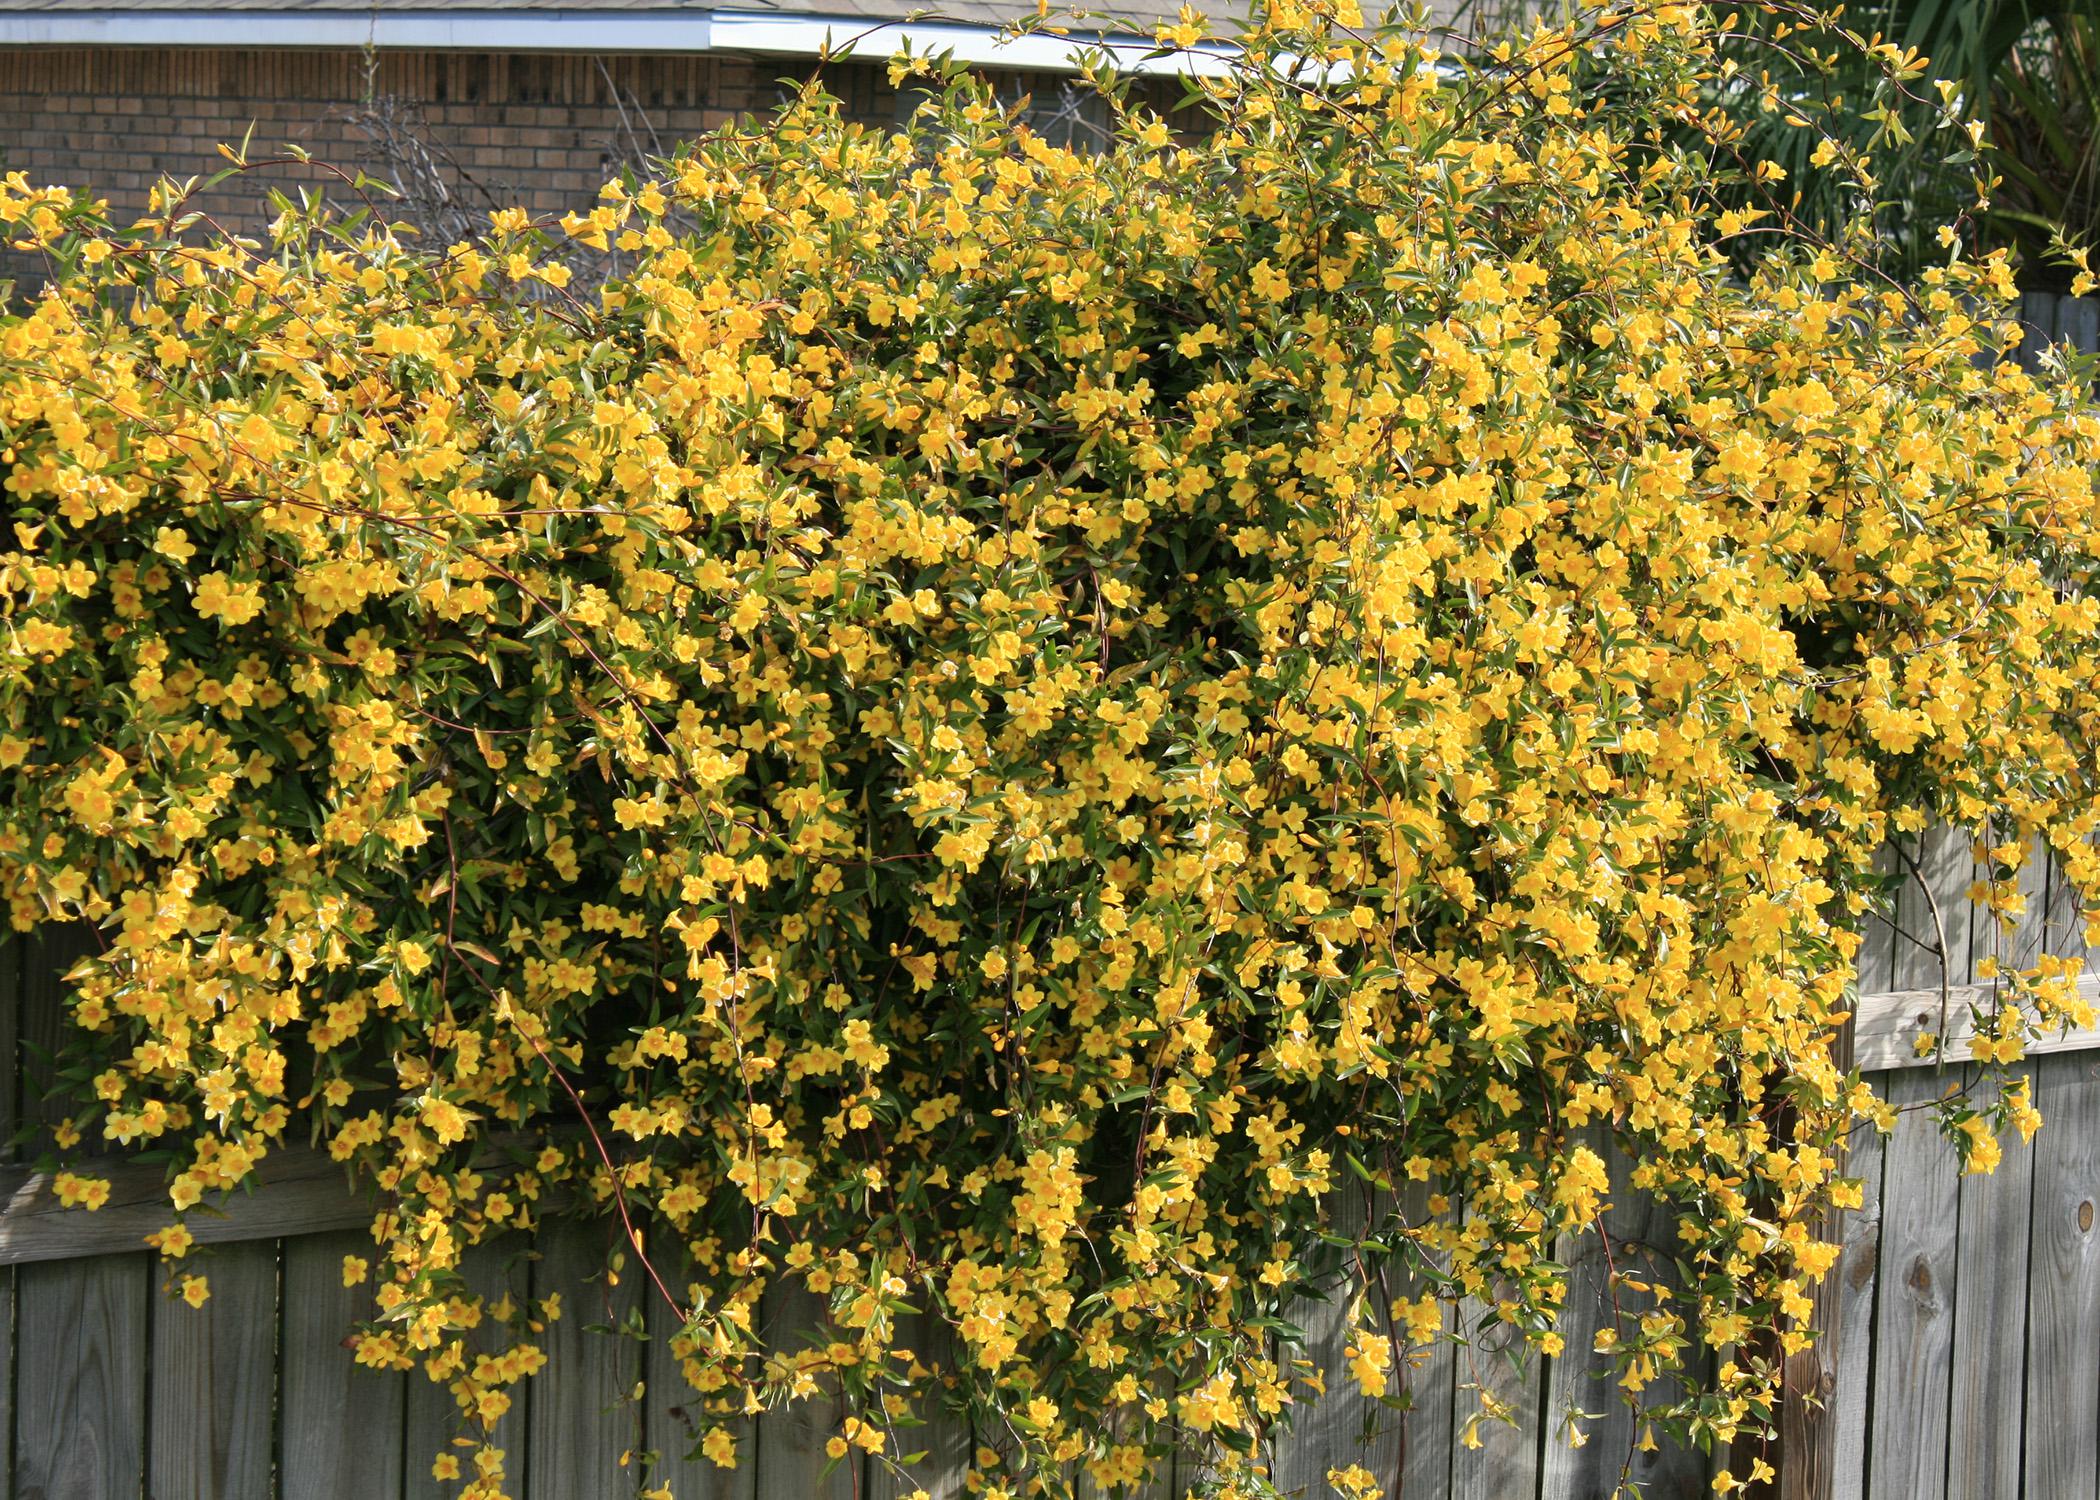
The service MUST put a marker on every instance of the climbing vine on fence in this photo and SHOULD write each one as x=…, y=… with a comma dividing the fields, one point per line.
x=1010, y=726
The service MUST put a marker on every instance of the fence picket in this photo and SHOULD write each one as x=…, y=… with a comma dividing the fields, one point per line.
x=1330, y=1432
x=10, y=1044
x=945, y=1439
x=211, y=1429
x=1914, y=1323
x=2062, y=1436
x=7, y=1371
x=672, y=1418
x=43, y=1024
x=1643, y=1239
x=80, y=1416
x=1502, y=1461
x=792, y=1463
x=340, y=1422
x=1990, y=1312
x=1425, y=1427
x=492, y=1270
x=577, y=1428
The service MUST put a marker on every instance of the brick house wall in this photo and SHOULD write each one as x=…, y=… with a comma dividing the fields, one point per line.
x=542, y=130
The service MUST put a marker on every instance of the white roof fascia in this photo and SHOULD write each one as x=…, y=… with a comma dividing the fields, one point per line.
x=773, y=33
x=979, y=46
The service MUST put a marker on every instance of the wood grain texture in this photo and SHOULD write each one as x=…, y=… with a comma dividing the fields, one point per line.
x=1888, y=1025
x=1827, y=1386
x=673, y=1422
x=211, y=1427
x=340, y=1434
x=1990, y=1321
x=1588, y=1427
x=1990, y=1309
x=1622, y=1453
x=434, y=1421
x=1342, y=1426
x=585, y=1419
x=945, y=1439
x=2078, y=322
x=46, y=956
x=10, y=1046
x=2062, y=1428
x=1848, y=1391
x=296, y=1191
x=792, y=1463
x=80, y=1373
x=1914, y=1322
x=7, y=1373
x=1425, y=1427
x=1503, y=1462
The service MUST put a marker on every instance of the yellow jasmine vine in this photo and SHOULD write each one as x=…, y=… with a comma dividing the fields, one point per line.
x=1011, y=727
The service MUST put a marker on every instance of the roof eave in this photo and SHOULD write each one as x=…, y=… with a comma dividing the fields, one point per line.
x=773, y=34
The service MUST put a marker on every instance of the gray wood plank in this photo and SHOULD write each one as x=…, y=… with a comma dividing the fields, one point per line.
x=2062, y=1436
x=1990, y=1320
x=674, y=1421
x=1425, y=1427
x=1887, y=1027
x=340, y=1435
x=2078, y=320
x=1588, y=1428
x=80, y=1416
x=435, y=1418
x=45, y=1022
x=1505, y=1463
x=1851, y=1357
x=1990, y=1313
x=1914, y=1321
x=583, y=1417
x=10, y=1045
x=7, y=1372
x=1825, y=1456
x=1643, y=1239
x=1331, y=1431
x=792, y=1463
x=945, y=1438
x=214, y=1378
x=295, y=1191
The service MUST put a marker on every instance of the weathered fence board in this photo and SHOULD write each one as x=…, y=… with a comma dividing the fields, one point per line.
x=212, y=1427
x=675, y=1429
x=80, y=1368
x=2062, y=1428
x=45, y=959
x=1331, y=1432
x=791, y=1456
x=581, y=1425
x=1425, y=1428
x=434, y=1420
x=1957, y=1305
x=1637, y=1245
x=10, y=1044
x=342, y=1422
x=1990, y=1312
x=1914, y=1326
x=945, y=1440
x=1502, y=1458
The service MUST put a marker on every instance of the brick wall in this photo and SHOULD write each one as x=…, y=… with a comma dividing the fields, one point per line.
x=541, y=130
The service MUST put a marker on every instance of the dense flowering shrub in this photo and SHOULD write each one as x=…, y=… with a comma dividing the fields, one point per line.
x=1012, y=726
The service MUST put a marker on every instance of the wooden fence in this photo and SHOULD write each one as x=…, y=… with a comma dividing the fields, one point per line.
x=1960, y=1357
